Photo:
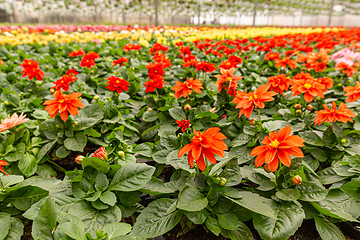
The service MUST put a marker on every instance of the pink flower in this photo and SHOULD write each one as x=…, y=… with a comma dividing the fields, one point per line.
x=12, y=121
x=346, y=56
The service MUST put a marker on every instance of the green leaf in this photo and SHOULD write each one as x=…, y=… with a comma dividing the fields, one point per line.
x=228, y=221
x=101, y=182
x=34, y=210
x=352, y=189
x=11, y=180
x=108, y=198
x=150, y=116
x=289, y=217
x=241, y=233
x=114, y=230
x=160, y=156
x=76, y=143
x=312, y=138
x=326, y=229
x=16, y=230
x=62, y=152
x=332, y=209
x=45, y=222
x=177, y=114
x=44, y=150
x=197, y=217
x=28, y=165
x=96, y=163
x=251, y=201
x=5, y=223
x=151, y=129
x=329, y=176
x=24, y=197
x=89, y=116
x=94, y=219
x=191, y=199
x=213, y=225
x=143, y=149
x=288, y=194
x=92, y=132
x=310, y=191
x=131, y=177
x=154, y=221
x=72, y=226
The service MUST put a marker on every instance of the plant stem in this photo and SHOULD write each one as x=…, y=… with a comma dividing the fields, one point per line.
x=157, y=93
x=260, y=118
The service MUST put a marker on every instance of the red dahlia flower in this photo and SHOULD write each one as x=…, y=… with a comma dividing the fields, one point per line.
x=76, y=53
x=63, y=82
x=183, y=124
x=205, y=67
x=88, y=60
x=279, y=83
x=122, y=60
x=117, y=84
x=306, y=84
x=153, y=83
x=227, y=81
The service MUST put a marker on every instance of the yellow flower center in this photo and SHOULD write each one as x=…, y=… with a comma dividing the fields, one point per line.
x=332, y=110
x=275, y=143
x=228, y=79
x=61, y=101
x=62, y=81
x=307, y=85
x=200, y=139
x=227, y=63
x=253, y=97
x=357, y=88
x=117, y=81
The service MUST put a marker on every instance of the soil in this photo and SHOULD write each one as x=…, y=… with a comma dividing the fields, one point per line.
x=27, y=232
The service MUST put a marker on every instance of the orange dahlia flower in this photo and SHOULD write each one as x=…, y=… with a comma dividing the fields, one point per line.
x=326, y=82
x=317, y=61
x=185, y=88
x=345, y=68
x=227, y=80
x=247, y=101
x=278, y=146
x=205, y=144
x=64, y=103
x=353, y=93
x=286, y=61
x=306, y=84
x=343, y=114
x=3, y=163
x=279, y=83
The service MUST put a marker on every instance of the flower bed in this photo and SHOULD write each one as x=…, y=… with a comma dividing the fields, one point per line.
x=247, y=134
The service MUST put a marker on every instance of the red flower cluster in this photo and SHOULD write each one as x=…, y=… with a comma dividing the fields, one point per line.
x=64, y=81
x=345, y=68
x=286, y=61
x=117, y=84
x=227, y=81
x=76, y=53
x=157, y=47
x=32, y=70
x=279, y=83
x=88, y=60
x=121, y=61
x=205, y=67
x=131, y=47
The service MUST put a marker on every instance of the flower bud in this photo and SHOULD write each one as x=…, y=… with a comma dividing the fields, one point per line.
x=252, y=122
x=57, y=125
x=52, y=90
x=121, y=154
x=297, y=106
x=298, y=111
x=310, y=108
x=266, y=168
x=318, y=98
x=75, y=123
x=284, y=94
x=101, y=153
x=96, y=97
x=79, y=159
x=187, y=107
x=222, y=181
x=296, y=180
x=30, y=90
x=246, y=57
x=343, y=141
x=212, y=110
x=224, y=116
x=339, y=85
x=108, y=99
x=6, y=103
x=47, y=66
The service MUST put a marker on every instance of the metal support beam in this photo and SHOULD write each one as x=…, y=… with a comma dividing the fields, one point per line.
x=96, y=14
x=255, y=8
x=123, y=14
x=156, y=12
x=199, y=10
x=331, y=11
